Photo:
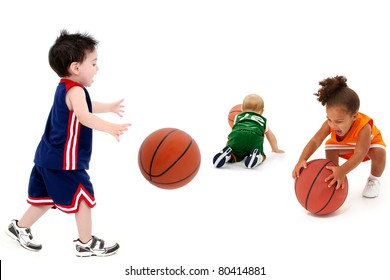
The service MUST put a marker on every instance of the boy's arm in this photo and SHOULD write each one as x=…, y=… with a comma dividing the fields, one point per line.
x=114, y=107
x=76, y=103
x=273, y=142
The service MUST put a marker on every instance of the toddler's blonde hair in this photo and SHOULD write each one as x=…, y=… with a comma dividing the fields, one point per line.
x=253, y=102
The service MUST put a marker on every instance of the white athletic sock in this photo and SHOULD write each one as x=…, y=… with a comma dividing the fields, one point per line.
x=374, y=178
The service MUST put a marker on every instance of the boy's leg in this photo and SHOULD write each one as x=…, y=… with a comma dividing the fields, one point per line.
x=32, y=215
x=84, y=222
x=88, y=245
x=20, y=230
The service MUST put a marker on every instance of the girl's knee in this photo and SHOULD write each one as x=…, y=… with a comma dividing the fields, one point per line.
x=377, y=153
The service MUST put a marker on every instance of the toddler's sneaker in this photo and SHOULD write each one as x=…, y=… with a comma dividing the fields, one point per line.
x=95, y=247
x=371, y=190
x=254, y=159
x=222, y=157
x=23, y=236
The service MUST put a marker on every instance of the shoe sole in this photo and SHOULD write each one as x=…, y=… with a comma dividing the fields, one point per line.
x=253, y=160
x=94, y=255
x=91, y=254
x=221, y=159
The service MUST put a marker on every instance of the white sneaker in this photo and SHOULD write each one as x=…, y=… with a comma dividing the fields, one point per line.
x=23, y=236
x=222, y=157
x=254, y=159
x=95, y=247
x=371, y=190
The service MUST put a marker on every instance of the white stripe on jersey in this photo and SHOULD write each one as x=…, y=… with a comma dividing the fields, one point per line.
x=71, y=145
x=349, y=147
x=75, y=144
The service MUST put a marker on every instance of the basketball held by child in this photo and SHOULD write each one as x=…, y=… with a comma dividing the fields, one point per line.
x=169, y=158
x=234, y=111
x=314, y=194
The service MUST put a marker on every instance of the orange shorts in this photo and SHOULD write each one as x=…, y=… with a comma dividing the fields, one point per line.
x=332, y=144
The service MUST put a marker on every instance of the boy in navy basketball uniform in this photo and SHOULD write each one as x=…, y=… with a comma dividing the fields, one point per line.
x=59, y=178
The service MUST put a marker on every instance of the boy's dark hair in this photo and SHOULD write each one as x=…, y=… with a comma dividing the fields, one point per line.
x=335, y=92
x=69, y=48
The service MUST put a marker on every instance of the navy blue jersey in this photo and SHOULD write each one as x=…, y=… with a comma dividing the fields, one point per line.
x=66, y=144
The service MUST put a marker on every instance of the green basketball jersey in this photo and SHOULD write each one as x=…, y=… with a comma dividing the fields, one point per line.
x=247, y=134
x=251, y=121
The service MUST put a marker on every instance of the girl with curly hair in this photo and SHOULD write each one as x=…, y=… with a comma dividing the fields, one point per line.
x=353, y=136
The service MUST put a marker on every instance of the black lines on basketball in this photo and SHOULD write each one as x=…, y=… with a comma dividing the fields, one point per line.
x=315, y=180
x=155, y=152
x=313, y=192
x=169, y=158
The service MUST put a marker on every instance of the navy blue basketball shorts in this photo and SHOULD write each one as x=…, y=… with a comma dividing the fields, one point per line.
x=63, y=189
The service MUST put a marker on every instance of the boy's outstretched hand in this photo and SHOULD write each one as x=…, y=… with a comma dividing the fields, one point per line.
x=117, y=107
x=118, y=129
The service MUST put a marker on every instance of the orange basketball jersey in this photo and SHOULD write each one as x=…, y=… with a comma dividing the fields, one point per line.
x=349, y=141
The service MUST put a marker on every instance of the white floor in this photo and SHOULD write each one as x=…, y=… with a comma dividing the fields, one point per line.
x=184, y=65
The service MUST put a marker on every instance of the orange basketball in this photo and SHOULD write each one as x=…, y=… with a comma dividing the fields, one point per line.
x=235, y=110
x=313, y=192
x=169, y=158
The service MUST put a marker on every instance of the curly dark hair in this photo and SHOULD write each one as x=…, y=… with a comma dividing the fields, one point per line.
x=69, y=48
x=334, y=91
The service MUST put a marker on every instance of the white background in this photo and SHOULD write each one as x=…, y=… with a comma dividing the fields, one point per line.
x=184, y=64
